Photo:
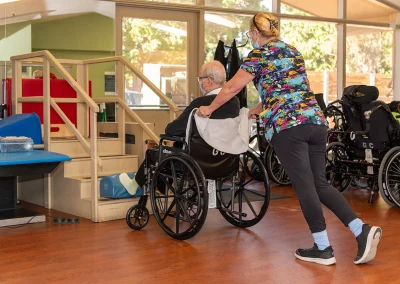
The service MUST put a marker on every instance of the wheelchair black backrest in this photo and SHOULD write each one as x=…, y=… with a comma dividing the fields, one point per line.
x=214, y=164
x=381, y=124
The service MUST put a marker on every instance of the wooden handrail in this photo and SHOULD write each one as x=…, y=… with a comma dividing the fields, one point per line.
x=139, y=74
x=28, y=55
x=53, y=61
x=37, y=99
x=150, y=84
x=91, y=104
x=102, y=60
x=138, y=120
x=73, y=128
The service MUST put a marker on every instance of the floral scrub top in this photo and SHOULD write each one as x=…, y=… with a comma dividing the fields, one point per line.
x=281, y=81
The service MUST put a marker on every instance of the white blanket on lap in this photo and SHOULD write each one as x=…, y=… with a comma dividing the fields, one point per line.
x=230, y=135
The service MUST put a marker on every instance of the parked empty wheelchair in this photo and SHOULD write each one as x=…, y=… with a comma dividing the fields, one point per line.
x=260, y=146
x=367, y=146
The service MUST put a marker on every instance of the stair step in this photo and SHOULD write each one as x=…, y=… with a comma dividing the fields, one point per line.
x=107, y=201
x=80, y=168
x=74, y=149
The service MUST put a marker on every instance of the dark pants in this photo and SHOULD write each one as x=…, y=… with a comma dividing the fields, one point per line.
x=140, y=177
x=301, y=150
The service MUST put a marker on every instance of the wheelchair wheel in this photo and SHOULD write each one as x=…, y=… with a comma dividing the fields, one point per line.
x=253, y=144
x=274, y=168
x=337, y=172
x=137, y=217
x=250, y=198
x=389, y=177
x=179, y=196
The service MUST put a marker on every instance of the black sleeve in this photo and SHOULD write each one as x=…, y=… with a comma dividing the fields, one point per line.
x=178, y=126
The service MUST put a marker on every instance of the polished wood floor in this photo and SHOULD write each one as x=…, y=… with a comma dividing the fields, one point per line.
x=112, y=253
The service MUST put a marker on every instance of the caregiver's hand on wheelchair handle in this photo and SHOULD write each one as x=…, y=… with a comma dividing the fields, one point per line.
x=204, y=111
x=255, y=111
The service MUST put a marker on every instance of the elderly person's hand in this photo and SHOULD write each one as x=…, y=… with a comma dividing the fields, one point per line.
x=204, y=111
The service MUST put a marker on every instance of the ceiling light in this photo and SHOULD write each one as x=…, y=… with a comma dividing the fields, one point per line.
x=7, y=1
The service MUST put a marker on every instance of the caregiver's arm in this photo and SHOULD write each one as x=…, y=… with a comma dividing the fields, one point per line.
x=229, y=90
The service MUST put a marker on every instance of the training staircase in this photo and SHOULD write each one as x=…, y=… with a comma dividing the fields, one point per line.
x=74, y=186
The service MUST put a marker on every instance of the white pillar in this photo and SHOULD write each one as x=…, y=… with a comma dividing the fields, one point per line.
x=341, y=48
x=326, y=86
x=396, y=61
x=276, y=6
x=372, y=79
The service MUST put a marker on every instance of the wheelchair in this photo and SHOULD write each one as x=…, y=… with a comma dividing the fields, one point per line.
x=189, y=177
x=259, y=145
x=363, y=149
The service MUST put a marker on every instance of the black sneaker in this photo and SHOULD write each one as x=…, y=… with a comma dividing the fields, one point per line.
x=368, y=242
x=313, y=254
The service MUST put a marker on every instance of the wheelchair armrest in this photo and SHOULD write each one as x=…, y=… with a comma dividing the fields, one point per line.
x=172, y=138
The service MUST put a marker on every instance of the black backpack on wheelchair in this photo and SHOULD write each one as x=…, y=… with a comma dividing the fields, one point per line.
x=370, y=124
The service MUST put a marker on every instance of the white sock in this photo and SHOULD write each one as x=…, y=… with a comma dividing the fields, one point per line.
x=130, y=185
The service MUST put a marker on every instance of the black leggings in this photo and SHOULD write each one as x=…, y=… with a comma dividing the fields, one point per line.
x=301, y=150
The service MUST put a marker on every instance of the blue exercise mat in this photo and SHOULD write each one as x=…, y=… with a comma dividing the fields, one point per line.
x=31, y=157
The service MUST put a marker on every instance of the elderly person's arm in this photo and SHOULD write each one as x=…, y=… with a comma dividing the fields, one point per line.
x=230, y=89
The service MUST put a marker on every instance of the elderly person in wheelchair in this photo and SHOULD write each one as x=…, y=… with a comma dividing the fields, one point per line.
x=208, y=167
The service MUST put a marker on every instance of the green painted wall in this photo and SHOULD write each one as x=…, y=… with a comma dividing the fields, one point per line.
x=90, y=32
x=16, y=40
x=81, y=37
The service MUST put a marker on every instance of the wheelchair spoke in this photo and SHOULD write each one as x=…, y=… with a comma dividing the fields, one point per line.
x=250, y=205
x=183, y=178
x=163, y=196
x=240, y=206
x=185, y=212
x=189, y=188
x=254, y=192
x=175, y=181
x=169, y=210
x=397, y=169
x=167, y=184
x=234, y=197
x=250, y=180
x=177, y=217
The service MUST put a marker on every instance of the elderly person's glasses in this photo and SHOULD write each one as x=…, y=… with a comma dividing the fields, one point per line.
x=201, y=78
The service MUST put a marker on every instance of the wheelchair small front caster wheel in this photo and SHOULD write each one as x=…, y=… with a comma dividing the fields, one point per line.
x=137, y=217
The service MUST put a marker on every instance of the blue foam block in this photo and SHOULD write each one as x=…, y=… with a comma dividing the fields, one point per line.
x=22, y=125
x=111, y=187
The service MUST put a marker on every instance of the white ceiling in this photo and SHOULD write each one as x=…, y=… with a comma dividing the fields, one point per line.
x=45, y=10
x=40, y=10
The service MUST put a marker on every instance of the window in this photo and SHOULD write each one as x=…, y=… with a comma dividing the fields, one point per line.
x=317, y=42
x=228, y=27
x=255, y=5
x=159, y=49
x=175, y=1
x=369, y=59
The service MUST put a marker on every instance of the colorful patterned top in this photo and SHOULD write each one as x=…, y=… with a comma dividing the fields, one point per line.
x=281, y=81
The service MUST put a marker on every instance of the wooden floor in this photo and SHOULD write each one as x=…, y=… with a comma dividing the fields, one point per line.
x=112, y=253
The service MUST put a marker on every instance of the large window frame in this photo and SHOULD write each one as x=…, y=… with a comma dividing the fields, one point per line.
x=341, y=22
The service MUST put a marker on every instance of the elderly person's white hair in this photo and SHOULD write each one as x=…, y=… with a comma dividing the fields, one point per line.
x=216, y=71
